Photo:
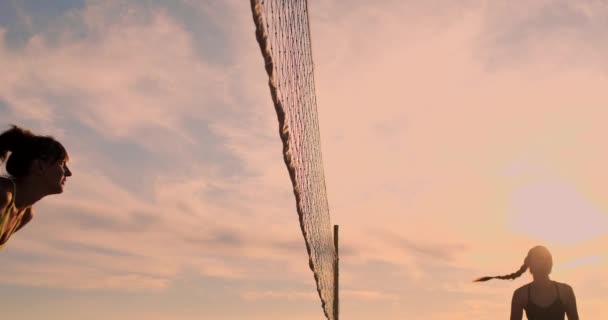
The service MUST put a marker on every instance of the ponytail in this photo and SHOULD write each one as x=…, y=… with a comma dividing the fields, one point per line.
x=12, y=139
x=538, y=258
x=511, y=276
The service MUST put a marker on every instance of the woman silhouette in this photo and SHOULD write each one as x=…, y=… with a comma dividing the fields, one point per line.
x=36, y=167
x=542, y=299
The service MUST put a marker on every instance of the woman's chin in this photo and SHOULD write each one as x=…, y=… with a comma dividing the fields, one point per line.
x=58, y=189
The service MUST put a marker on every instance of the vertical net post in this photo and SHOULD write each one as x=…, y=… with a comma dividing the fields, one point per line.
x=336, y=275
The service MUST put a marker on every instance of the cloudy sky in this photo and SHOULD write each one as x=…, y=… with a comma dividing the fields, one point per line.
x=455, y=137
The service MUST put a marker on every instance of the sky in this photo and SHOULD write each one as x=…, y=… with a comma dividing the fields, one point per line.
x=455, y=137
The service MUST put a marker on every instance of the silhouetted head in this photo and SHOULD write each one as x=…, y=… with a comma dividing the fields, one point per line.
x=41, y=159
x=538, y=260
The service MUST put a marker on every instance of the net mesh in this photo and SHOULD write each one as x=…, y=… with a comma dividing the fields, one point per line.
x=283, y=33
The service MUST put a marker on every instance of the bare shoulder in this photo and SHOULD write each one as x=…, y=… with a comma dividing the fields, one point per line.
x=523, y=289
x=565, y=288
x=28, y=215
x=520, y=294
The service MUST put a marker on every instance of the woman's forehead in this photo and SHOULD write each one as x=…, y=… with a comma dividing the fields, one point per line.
x=65, y=156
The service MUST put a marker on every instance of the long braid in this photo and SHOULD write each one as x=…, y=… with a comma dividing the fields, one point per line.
x=511, y=276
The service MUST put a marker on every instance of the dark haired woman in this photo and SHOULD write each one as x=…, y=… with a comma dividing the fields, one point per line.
x=543, y=298
x=36, y=167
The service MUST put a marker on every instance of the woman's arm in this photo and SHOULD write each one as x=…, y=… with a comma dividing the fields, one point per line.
x=571, y=310
x=517, y=307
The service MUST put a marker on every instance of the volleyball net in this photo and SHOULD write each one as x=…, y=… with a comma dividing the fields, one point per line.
x=283, y=33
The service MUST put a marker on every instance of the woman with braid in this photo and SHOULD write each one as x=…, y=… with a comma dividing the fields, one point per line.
x=36, y=167
x=543, y=298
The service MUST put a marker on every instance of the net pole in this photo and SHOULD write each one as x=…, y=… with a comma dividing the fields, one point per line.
x=336, y=275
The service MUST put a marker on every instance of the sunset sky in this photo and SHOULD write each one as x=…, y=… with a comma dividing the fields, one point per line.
x=455, y=136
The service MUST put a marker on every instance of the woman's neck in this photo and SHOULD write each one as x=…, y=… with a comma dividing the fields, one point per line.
x=541, y=279
x=27, y=193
